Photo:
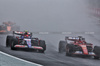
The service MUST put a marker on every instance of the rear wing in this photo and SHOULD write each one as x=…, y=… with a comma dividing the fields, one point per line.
x=21, y=33
x=75, y=38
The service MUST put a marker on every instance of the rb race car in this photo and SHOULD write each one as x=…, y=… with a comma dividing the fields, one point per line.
x=8, y=27
x=25, y=40
x=77, y=46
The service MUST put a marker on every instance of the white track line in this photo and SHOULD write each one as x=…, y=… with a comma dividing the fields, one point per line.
x=20, y=59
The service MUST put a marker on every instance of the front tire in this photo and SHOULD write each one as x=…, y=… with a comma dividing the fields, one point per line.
x=97, y=52
x=62, y=46
x=69, y=49
x=12, y=46
x=43, y=45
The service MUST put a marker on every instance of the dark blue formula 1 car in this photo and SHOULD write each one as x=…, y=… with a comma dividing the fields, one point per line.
x=25, y=40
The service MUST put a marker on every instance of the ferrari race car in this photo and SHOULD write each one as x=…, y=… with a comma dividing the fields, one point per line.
x=77, y=46
x=23, y=40
x=8, y=27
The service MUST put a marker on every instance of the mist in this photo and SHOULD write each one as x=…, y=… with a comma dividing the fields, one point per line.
x=45, y=15
x=50, y=16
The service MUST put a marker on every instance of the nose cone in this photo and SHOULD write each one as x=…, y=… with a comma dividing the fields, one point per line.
x=84, y=48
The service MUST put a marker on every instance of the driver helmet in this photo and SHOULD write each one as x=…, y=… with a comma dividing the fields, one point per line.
x=26, y=32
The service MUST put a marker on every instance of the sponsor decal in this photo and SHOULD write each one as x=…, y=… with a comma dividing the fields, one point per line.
x=28, y=42
x=85, y=51
x=20, y=46
x=36, y=47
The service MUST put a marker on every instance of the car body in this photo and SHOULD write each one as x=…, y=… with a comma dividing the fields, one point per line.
x=7, y=27
x=77, y=46
x=18, y=40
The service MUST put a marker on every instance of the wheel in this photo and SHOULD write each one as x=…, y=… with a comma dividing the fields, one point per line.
x=43, y=45
x=12, y=45
x=8, y=41
x=62, y=46
x=97, y=52
x=69, y=49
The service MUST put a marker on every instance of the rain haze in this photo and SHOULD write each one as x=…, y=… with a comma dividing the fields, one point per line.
x=46, y=15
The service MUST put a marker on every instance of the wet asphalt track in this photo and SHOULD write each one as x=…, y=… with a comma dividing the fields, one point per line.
x=51, y=57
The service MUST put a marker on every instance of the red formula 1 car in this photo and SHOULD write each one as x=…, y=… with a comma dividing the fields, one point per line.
x=25, y=41
x=8, y=27
x=77, y=46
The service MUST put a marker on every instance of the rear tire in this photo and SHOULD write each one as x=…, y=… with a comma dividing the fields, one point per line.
x=62, y=46
x=8, y=41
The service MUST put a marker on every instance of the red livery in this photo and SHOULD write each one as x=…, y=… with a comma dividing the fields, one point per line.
x=77, y=46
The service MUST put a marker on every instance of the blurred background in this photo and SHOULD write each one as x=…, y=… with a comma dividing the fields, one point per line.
x=47, y=15
x=53, y=16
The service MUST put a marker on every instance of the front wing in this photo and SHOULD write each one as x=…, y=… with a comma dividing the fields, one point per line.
x=25, y=46
x=81, y=53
